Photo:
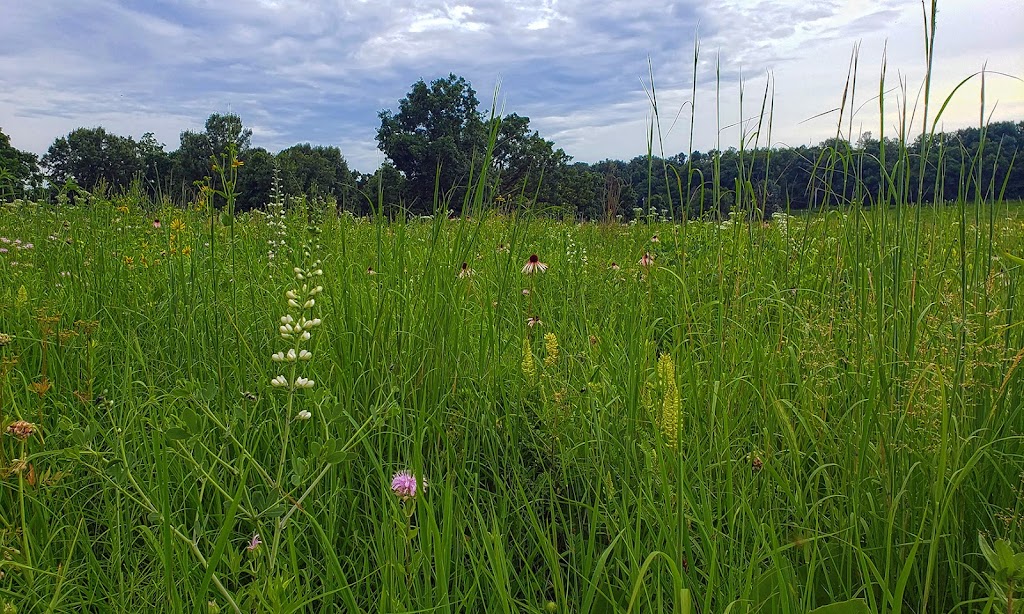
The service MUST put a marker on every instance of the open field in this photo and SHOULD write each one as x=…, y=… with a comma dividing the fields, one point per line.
x=777, y=415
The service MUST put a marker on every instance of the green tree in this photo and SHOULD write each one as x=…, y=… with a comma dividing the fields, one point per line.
x=315, y=170
x=197, y=150
x=383, y=190
x=435, y=137
x=255, y=180
x=19, y=170
x=90, y=156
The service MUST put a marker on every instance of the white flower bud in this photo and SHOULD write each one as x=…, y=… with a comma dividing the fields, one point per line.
x=301, y=382
x=291, y=294
x=316, y=290
x=304, y=415
x=305, y=355
x=304, y=336
x=279, y=381
x=293, y=303
x=277, y=357
x=286, y=319
x=315, y=321
x=300, y=276
x=297, y=270
x=291, y=355
x=284, y=329
x=309, y=303
x=318, y=272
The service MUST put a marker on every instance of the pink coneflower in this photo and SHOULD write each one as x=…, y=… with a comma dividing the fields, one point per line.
x=655, y=239
x=156, y=223
x=254, y=542
x=404, y=485
x=615, y=266
x=647, y=260
x=534, y=265
x=534, y=321
x=526, y=292
x=370, y=271
x=465, y=271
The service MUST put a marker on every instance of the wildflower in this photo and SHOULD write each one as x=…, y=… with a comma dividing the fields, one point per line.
x=756, y=464
x=655, y=239
x=4, y=339
x=465, y=271
x=156, y=223
x=502, y=248
x=236, y=163
x=403, y=484
x=615, y=266
x=254, y=542
x=279, y=381
x=177, y=225
x=302, y=382
x=41, y=387
x=647, y=260
x=185, y=251
x=370, y=271
x=21, y=429
x=670, y=399
x=528, y=365
x=3, y=250
x=526, y=292
x=534, y=265
x=551, y=348
x=304, y=415
x=534, y=321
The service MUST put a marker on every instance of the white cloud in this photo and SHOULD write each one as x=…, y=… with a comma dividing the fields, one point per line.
x=319, y=70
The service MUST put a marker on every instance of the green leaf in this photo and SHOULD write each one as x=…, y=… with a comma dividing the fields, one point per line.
x=176, y=433
x=853, y=606
x=336, y=457
x=209, y=391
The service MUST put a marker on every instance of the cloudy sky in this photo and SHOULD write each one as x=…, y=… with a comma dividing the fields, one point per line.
x=319, y=70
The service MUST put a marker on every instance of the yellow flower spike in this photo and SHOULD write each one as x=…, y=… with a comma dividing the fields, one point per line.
x=670, y=399
x=551, y=347
x=528, y=365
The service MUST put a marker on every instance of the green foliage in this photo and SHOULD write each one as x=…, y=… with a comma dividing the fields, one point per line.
x=91, y=157
x=437, y=134
x=19, y=171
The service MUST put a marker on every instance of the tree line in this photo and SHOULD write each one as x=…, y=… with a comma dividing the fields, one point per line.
x=444, y=152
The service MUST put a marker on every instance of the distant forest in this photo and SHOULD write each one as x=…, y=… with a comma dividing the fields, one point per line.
x=439, y=137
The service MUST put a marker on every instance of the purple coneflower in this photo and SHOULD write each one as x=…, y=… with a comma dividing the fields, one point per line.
x=534, y=265
x=156, y=223
x=404, y=485
x=647, y=260
x=370, y=271
x=465, y=271
x=655, y=239
x=615, y=266
x=534, y=321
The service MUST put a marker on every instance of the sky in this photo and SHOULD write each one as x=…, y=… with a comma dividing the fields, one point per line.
x=319, y=71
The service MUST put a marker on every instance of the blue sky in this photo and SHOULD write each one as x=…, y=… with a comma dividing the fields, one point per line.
x=319, y=70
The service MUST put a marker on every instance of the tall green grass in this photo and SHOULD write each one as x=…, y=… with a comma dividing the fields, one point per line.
x=840, y=419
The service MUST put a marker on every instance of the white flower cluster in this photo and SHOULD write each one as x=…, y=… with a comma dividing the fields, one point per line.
x=276, y=215
x=298, y=330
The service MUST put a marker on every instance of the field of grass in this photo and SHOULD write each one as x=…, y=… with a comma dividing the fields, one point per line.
x=769, y=417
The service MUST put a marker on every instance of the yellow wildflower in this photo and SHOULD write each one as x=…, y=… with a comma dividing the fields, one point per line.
x=529, y=367
x=551, y=348
x=670, y=399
